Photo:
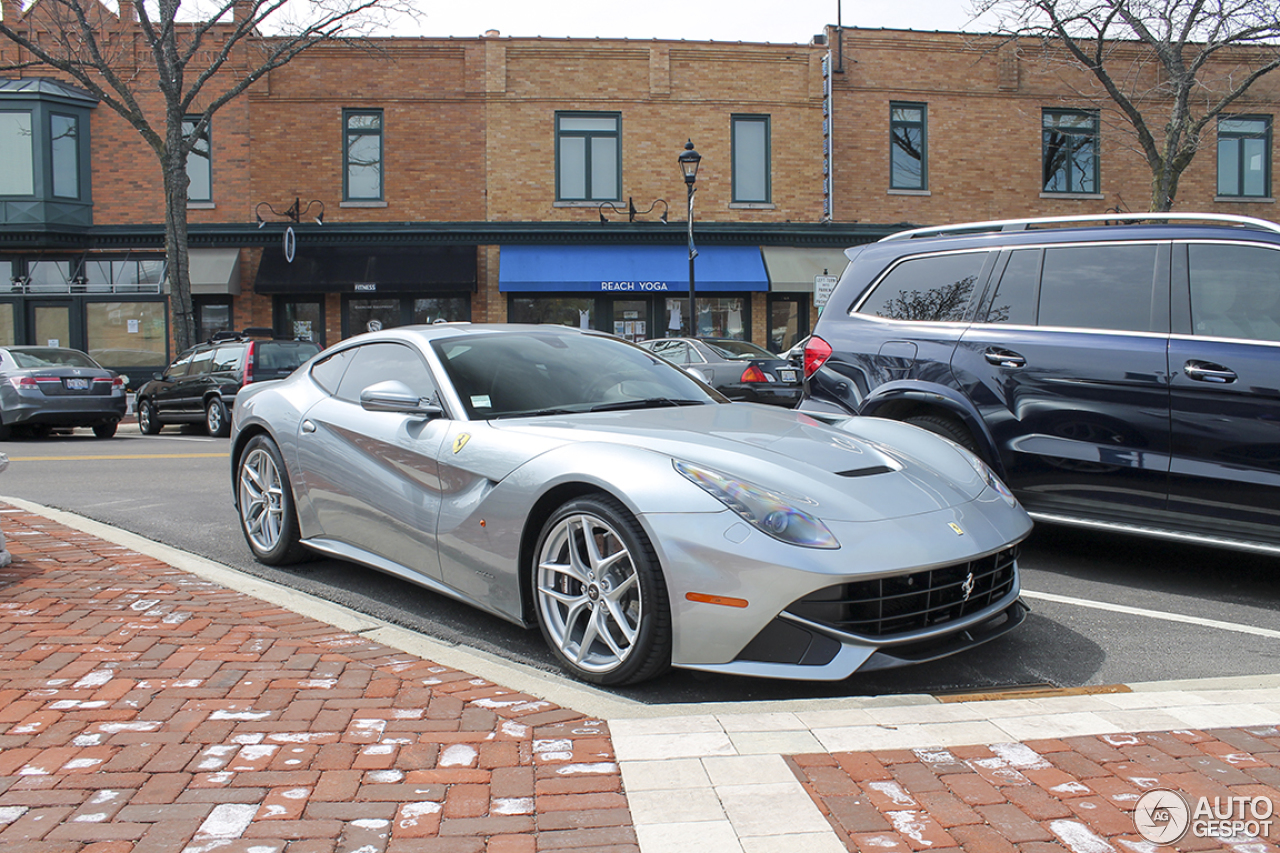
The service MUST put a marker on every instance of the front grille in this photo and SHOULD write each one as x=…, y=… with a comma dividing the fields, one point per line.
x=904, y=603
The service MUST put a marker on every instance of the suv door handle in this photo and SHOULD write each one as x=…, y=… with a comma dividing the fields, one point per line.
x=1004, y=358
x=1207, y=371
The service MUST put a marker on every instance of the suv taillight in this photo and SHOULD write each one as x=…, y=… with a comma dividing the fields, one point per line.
x=248, y=363
x=816, y=353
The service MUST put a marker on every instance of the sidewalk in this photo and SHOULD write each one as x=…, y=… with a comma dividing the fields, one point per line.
x=153, y=701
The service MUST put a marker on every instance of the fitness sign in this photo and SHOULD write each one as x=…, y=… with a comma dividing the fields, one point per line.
x=1163, y=816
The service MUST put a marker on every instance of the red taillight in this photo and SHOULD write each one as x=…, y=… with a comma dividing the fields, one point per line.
x=248, y=363
x=816, y=353
x=754, y=374
x=23, y=382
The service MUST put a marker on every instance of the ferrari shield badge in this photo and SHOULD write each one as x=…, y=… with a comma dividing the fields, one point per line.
x=952, y=524
x=461, y=441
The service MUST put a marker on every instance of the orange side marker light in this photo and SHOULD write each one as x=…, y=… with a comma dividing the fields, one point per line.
x=723, y=600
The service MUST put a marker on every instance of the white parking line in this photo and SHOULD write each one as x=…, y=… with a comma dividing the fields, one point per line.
x=1154, y=614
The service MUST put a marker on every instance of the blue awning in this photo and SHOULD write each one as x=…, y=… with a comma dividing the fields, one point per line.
x=629, y=269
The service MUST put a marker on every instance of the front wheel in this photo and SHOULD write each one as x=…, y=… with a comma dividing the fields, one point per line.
x=148, y=421
x=265, y=501
x=600, y=595
x=217, y=419
x=947, y=428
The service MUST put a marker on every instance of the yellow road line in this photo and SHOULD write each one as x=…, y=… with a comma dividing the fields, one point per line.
x=121, y=456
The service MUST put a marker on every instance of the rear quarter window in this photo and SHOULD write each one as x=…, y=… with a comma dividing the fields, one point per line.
x=938, y=288
x=1098, y=287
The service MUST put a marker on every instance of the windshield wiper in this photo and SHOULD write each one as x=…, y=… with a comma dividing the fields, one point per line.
x=537, y=413
x=650, y=403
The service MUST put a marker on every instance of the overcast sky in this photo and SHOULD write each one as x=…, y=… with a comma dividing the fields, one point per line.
x=792, y=21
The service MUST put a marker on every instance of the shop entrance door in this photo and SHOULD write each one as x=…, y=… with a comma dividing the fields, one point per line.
x=49, y=324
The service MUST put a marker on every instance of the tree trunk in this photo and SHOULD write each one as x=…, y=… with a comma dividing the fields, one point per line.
x=181, y=313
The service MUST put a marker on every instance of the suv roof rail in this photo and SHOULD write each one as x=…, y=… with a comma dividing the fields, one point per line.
x=1105, y=218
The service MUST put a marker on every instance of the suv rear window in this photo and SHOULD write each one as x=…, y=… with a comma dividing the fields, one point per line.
x=282, y=356
x=936, y=288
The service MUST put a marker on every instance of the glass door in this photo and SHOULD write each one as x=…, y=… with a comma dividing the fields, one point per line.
x=49, y=324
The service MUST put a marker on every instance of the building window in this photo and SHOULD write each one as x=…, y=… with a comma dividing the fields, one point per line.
x=64, y=150
x=908, y=163
x=1070, y=151
x=17, y=152
x=751, y=159
x=199, y=162
x=1244, y=156
x=588, y=157
x=362, y=155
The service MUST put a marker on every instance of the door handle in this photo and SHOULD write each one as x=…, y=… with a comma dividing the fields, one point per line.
x=308, y=426
x=1207, y=371
x=1004, y=358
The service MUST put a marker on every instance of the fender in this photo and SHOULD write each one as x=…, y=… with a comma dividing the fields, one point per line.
x=885, y=399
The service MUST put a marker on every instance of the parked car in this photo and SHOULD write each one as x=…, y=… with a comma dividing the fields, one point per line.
x=738, y=369
x=578, y=482
x=1117, y=373
x=46, y=387
x=202, y=383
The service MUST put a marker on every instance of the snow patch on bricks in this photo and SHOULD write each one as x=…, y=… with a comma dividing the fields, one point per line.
x=385, y=777
x=97, y=678
x=8, y=814
x=1020, y=755
x=228, y=820
x=553, y=750
x=1079, y=838
x=410, y=812
x=511, y=728
x=910, y=825
x=599, y=768
x=458, y=755
x=245, y=716
x=894, y=792
x=513, y=805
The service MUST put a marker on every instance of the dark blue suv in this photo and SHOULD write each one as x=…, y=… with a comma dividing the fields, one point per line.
x=1118, y=371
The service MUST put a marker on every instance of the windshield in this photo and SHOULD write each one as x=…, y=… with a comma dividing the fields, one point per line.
x=532, y=373
x=51, y=357
x=739, y=349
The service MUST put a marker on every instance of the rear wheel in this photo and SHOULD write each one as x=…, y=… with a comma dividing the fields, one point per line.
x=947, y=428
x=105, y=430
x=216, y=418
x=148, y=421
x=600, y=595
x=267, y=515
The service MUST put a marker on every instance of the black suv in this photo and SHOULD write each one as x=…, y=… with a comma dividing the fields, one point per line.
x=201, y=385
x=1119, y=371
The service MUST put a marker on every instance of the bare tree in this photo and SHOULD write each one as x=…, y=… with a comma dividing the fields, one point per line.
x=1171, y=66
x=198, y=59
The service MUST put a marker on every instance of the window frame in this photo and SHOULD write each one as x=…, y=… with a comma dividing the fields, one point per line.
x=347, y=133
x=1093, y=134
x=76, y=158
x=207, y=138
x=34, y=160
x=588, y=136
x=923, y=124
x=1238, y=138
x=736, y=158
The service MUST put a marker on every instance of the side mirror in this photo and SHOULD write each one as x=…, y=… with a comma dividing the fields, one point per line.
x=393, y=395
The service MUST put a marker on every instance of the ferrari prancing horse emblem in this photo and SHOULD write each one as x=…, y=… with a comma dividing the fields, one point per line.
x=461, y=441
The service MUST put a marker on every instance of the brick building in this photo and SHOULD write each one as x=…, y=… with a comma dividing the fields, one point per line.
x=494, y=179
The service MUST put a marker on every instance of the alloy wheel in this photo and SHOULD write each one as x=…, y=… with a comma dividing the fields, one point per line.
x=262, y=504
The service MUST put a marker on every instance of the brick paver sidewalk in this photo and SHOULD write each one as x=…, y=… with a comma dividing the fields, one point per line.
x=1075, y=794
x=144, y=709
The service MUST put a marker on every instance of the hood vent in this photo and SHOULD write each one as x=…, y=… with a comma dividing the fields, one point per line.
x=866, y=472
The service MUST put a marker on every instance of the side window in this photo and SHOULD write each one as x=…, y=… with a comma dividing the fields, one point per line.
x=227, y=358
x=588, y=157
x=1015, y=298
x=380, y=362
x=328, y=373
x=201, y=362
x=751, y=160
x=1098, y=287
x=907, y=140
x=362, y=155
x=1235, y=291
x=676, y=352
x=180, y=365
x=936, y=288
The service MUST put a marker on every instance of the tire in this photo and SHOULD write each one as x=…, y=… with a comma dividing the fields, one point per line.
x=947, y=428
x=217, y=419
x=6, y=432
x=264, y=501
x=148, y=419
x=105, y=430
x=597, y=579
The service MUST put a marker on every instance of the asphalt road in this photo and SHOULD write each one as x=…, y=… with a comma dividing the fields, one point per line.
x=1105, y=609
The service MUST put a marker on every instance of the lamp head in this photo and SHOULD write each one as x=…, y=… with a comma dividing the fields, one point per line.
x=689, y=160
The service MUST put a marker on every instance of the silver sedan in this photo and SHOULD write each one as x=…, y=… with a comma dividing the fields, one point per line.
x=577, y=482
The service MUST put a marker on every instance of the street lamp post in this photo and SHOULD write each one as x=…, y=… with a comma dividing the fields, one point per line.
x=689, y=160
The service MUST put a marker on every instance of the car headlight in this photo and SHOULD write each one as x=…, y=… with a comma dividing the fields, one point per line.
x=988, y=476
x=769, y=512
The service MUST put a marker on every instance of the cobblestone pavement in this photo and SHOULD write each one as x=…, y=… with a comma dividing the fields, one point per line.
x=148, y=709
x=144, y=709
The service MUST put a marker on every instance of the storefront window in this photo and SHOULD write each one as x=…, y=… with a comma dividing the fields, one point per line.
x=718, y=317
x=212, y=317
x=446, y=309
x=49, y=276
x=788, y=322
x=6, y=324
x=126, y=334
x=372, y=315
x=560, y=311
x=301, y=320
x=629, y=320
